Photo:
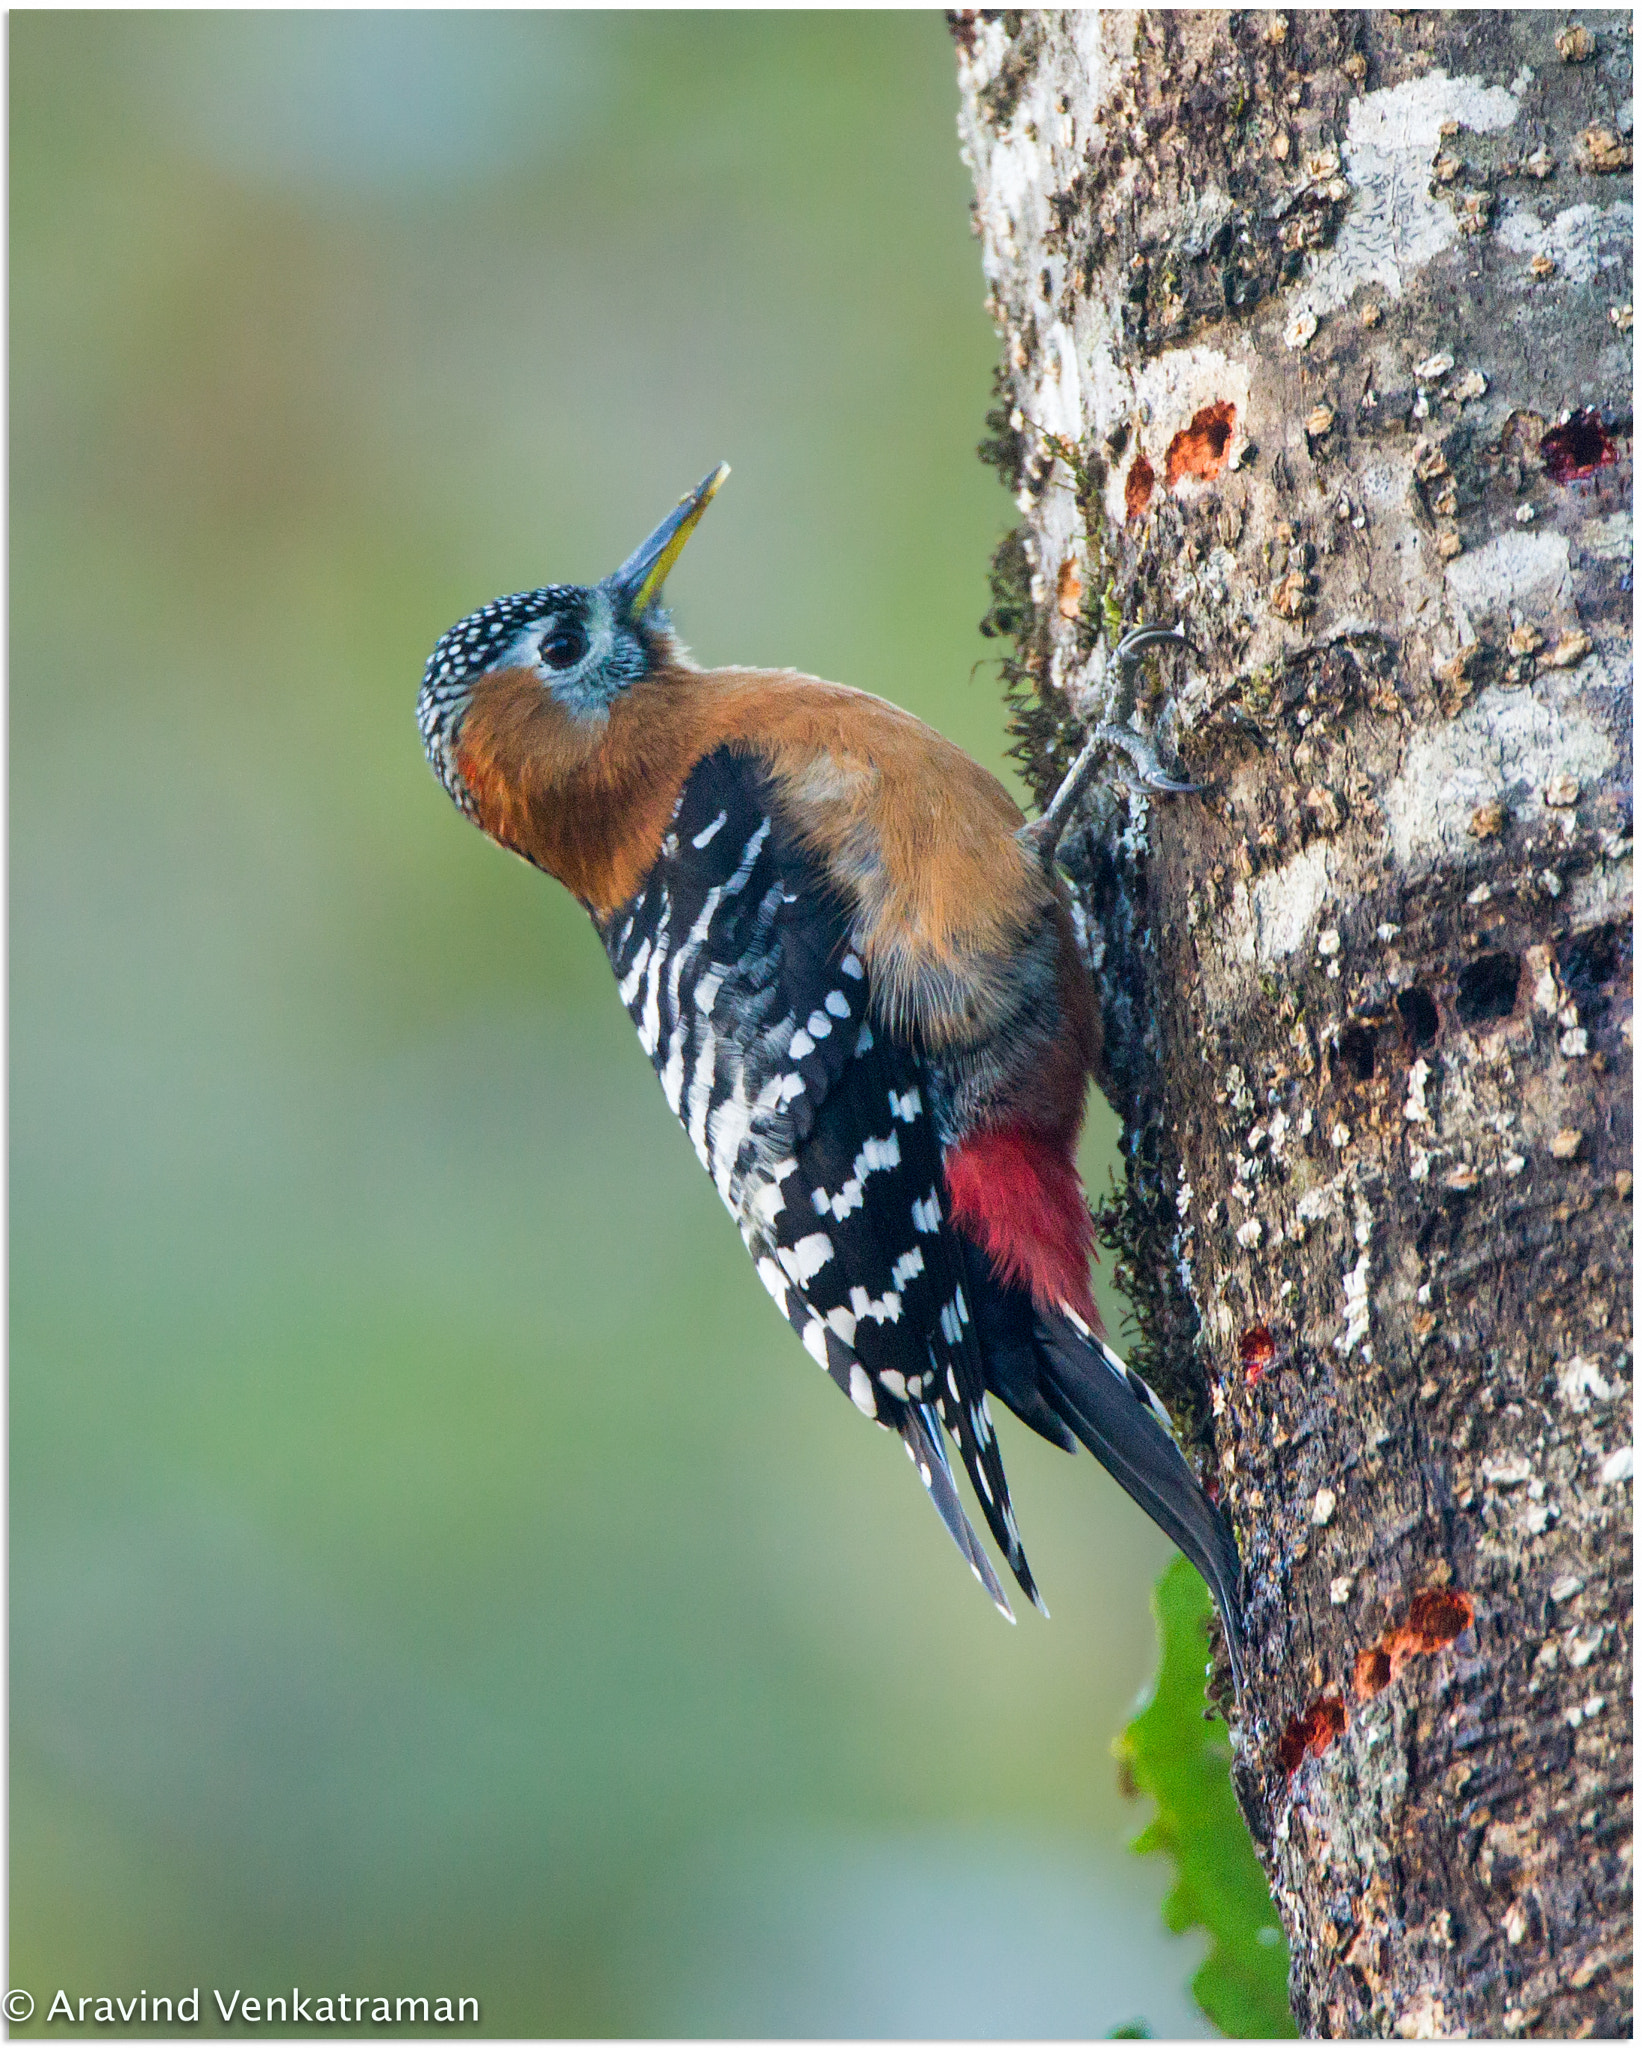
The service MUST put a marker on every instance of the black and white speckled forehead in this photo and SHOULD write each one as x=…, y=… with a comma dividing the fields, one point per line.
x=467, y=650
x=477, y=642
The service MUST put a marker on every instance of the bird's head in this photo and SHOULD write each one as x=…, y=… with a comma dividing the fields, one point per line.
x=582, y=644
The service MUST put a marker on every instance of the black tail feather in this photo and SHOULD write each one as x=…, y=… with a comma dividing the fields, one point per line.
x=921, y=1433
x=1104, y=1412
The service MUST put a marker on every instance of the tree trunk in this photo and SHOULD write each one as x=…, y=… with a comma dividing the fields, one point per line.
x=1317, y=340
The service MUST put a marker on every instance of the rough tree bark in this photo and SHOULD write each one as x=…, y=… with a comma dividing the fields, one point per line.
x=1317, y=339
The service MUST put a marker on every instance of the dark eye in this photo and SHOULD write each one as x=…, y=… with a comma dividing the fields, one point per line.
x=563, y=644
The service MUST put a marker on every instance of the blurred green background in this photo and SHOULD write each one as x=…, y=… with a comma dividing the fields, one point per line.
x=435, y=1568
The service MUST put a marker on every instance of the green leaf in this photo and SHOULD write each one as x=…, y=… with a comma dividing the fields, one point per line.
x=1178, y=1758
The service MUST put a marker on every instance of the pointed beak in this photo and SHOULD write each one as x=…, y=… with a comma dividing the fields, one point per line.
x=637, y=583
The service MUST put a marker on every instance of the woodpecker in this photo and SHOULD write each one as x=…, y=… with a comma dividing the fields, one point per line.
x=852, y=965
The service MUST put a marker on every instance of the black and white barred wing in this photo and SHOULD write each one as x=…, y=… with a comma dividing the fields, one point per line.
x=734, y=961
x=736, y=972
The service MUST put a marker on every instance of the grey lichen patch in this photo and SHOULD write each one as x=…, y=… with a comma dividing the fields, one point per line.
x=1395, y=226
x=1505, y=748
x=1514, y=572
x=1576, y=242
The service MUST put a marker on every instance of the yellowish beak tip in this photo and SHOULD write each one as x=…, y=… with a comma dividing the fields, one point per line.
x=641, y=576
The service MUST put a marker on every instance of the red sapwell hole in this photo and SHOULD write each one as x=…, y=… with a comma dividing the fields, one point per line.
x=1256, y=1350
x=1579, y=447
x=1372, y=1672
x=1137, y=487
x=1435, y=1617
x=1310, y=1733
x=1200, y=449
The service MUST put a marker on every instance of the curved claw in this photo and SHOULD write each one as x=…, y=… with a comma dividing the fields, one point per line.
x=1138, y=638
x=1143, y=758
x=1165, y=785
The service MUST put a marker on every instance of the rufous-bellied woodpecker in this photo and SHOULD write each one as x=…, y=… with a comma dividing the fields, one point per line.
x=853, y=967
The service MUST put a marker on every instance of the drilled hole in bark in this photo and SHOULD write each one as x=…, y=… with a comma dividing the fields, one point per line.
x=1200, y=449
x=1589, y=963
x=1256, y=1350
x=1579, y=447
x=1354, y=1054
x=1488, y=989
x=1435, y=1618
x=1137, y=487
x=1310, y=1733
x=1419, y=1017
x=1372, y=1673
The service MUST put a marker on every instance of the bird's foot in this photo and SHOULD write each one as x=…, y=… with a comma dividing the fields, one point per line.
x=1042, y=836
x=1114, y=728
x=1150, y=773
